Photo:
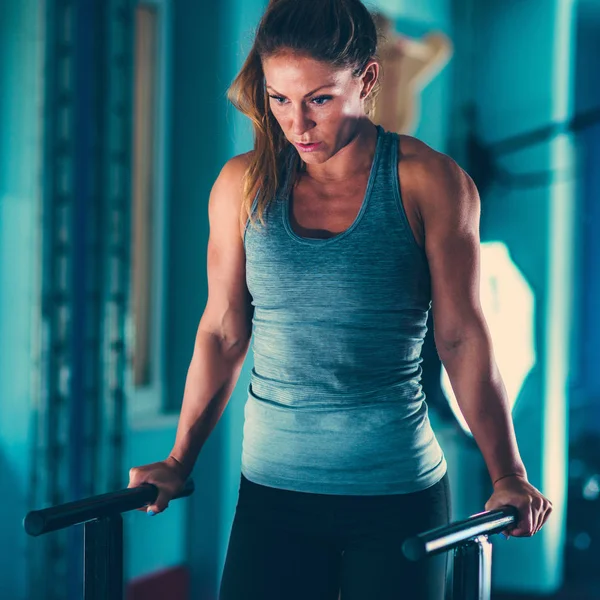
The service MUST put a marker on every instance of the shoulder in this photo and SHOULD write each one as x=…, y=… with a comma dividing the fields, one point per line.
x=235, y=168
x=428, y=169
x=434, y=183
x=228, y=188
x=233, y=172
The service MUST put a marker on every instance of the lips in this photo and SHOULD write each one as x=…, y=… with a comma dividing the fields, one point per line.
x=308, y=147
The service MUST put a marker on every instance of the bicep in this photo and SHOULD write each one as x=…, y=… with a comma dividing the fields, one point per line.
x=228, y=311
x=452, y=246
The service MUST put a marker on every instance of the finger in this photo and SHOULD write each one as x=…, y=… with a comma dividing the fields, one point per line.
x=160, y=504
x=155, y=509
x=510, y=528
x=538, y=508
x=541, y=517
x=524, y=526
x=545, y=516
x=542, y=514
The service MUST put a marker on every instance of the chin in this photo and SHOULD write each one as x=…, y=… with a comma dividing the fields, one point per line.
x=311, y=159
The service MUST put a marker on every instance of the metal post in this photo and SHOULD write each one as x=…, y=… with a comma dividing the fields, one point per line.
x=103, y=559
x=472, y=577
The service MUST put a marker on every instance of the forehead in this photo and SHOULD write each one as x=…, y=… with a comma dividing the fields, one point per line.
x=292, y=71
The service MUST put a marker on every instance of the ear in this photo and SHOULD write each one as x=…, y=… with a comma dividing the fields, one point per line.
x=369, y=78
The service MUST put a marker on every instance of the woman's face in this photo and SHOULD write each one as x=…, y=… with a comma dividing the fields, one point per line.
x=315, y=103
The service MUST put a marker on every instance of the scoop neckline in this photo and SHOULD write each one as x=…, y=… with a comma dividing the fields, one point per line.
x=370, y=182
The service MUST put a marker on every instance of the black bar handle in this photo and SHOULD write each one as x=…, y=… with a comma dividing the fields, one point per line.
x=442, y=539
x=38, y=522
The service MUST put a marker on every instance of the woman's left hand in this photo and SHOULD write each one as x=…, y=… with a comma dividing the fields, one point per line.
x=534, y=508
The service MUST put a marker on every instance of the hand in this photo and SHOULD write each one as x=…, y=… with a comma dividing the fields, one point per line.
x=165, y=475
x=534, y=509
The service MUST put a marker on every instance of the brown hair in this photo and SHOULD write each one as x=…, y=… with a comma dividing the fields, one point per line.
x=339, y=32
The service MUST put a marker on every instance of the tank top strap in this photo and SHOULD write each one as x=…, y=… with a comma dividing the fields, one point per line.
x=388, y=161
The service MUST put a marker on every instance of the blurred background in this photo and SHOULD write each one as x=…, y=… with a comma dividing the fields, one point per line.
x=113, y=126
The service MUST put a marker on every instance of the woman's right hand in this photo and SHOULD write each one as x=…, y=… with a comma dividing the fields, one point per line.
x=165, y=475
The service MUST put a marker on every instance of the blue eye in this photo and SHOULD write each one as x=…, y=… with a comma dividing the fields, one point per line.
x=278, y=99
x=318, y=101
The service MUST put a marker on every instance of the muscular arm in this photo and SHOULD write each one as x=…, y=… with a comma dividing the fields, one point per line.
x=449, y=206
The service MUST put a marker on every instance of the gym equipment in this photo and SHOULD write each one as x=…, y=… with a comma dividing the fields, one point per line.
x=103, y=533
x=472, y=570
x=103, y=540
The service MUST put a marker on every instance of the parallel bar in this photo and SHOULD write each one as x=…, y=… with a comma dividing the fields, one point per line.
x=451, y=536
x=103, y=570
x=38, y=522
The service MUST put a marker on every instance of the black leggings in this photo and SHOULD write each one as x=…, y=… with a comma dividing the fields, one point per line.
x=288, y=545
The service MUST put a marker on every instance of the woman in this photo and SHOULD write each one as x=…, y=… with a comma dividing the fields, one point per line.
x=360, y=229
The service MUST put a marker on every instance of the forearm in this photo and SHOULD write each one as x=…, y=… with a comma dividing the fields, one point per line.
x=482, y=398
x=212, y=376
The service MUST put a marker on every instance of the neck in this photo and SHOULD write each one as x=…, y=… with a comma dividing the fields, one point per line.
x=354, y=157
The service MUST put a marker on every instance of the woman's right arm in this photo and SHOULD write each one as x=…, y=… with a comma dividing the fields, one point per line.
x=225, y=329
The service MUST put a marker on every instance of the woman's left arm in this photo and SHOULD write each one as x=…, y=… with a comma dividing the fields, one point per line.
x=449, y=207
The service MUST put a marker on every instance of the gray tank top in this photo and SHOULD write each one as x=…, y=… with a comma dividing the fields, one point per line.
x=335, y=404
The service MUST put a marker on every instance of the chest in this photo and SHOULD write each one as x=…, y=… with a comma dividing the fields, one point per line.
x=322, y=213
x=319, y=212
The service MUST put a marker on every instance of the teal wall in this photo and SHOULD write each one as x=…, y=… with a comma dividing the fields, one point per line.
x=20, y=104
x=585, y=401
x=524, y=75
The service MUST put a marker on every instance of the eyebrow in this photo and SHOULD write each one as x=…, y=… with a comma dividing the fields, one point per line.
x=305, y=95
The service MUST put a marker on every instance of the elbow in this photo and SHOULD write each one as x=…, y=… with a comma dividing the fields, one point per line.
x=448, y=346
x=472, y=342
x=239, y=349
x=452, y=344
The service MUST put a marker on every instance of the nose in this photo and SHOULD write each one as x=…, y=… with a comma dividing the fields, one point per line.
x=301, y=121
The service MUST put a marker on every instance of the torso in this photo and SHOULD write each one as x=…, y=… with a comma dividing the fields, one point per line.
x=317, y=212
